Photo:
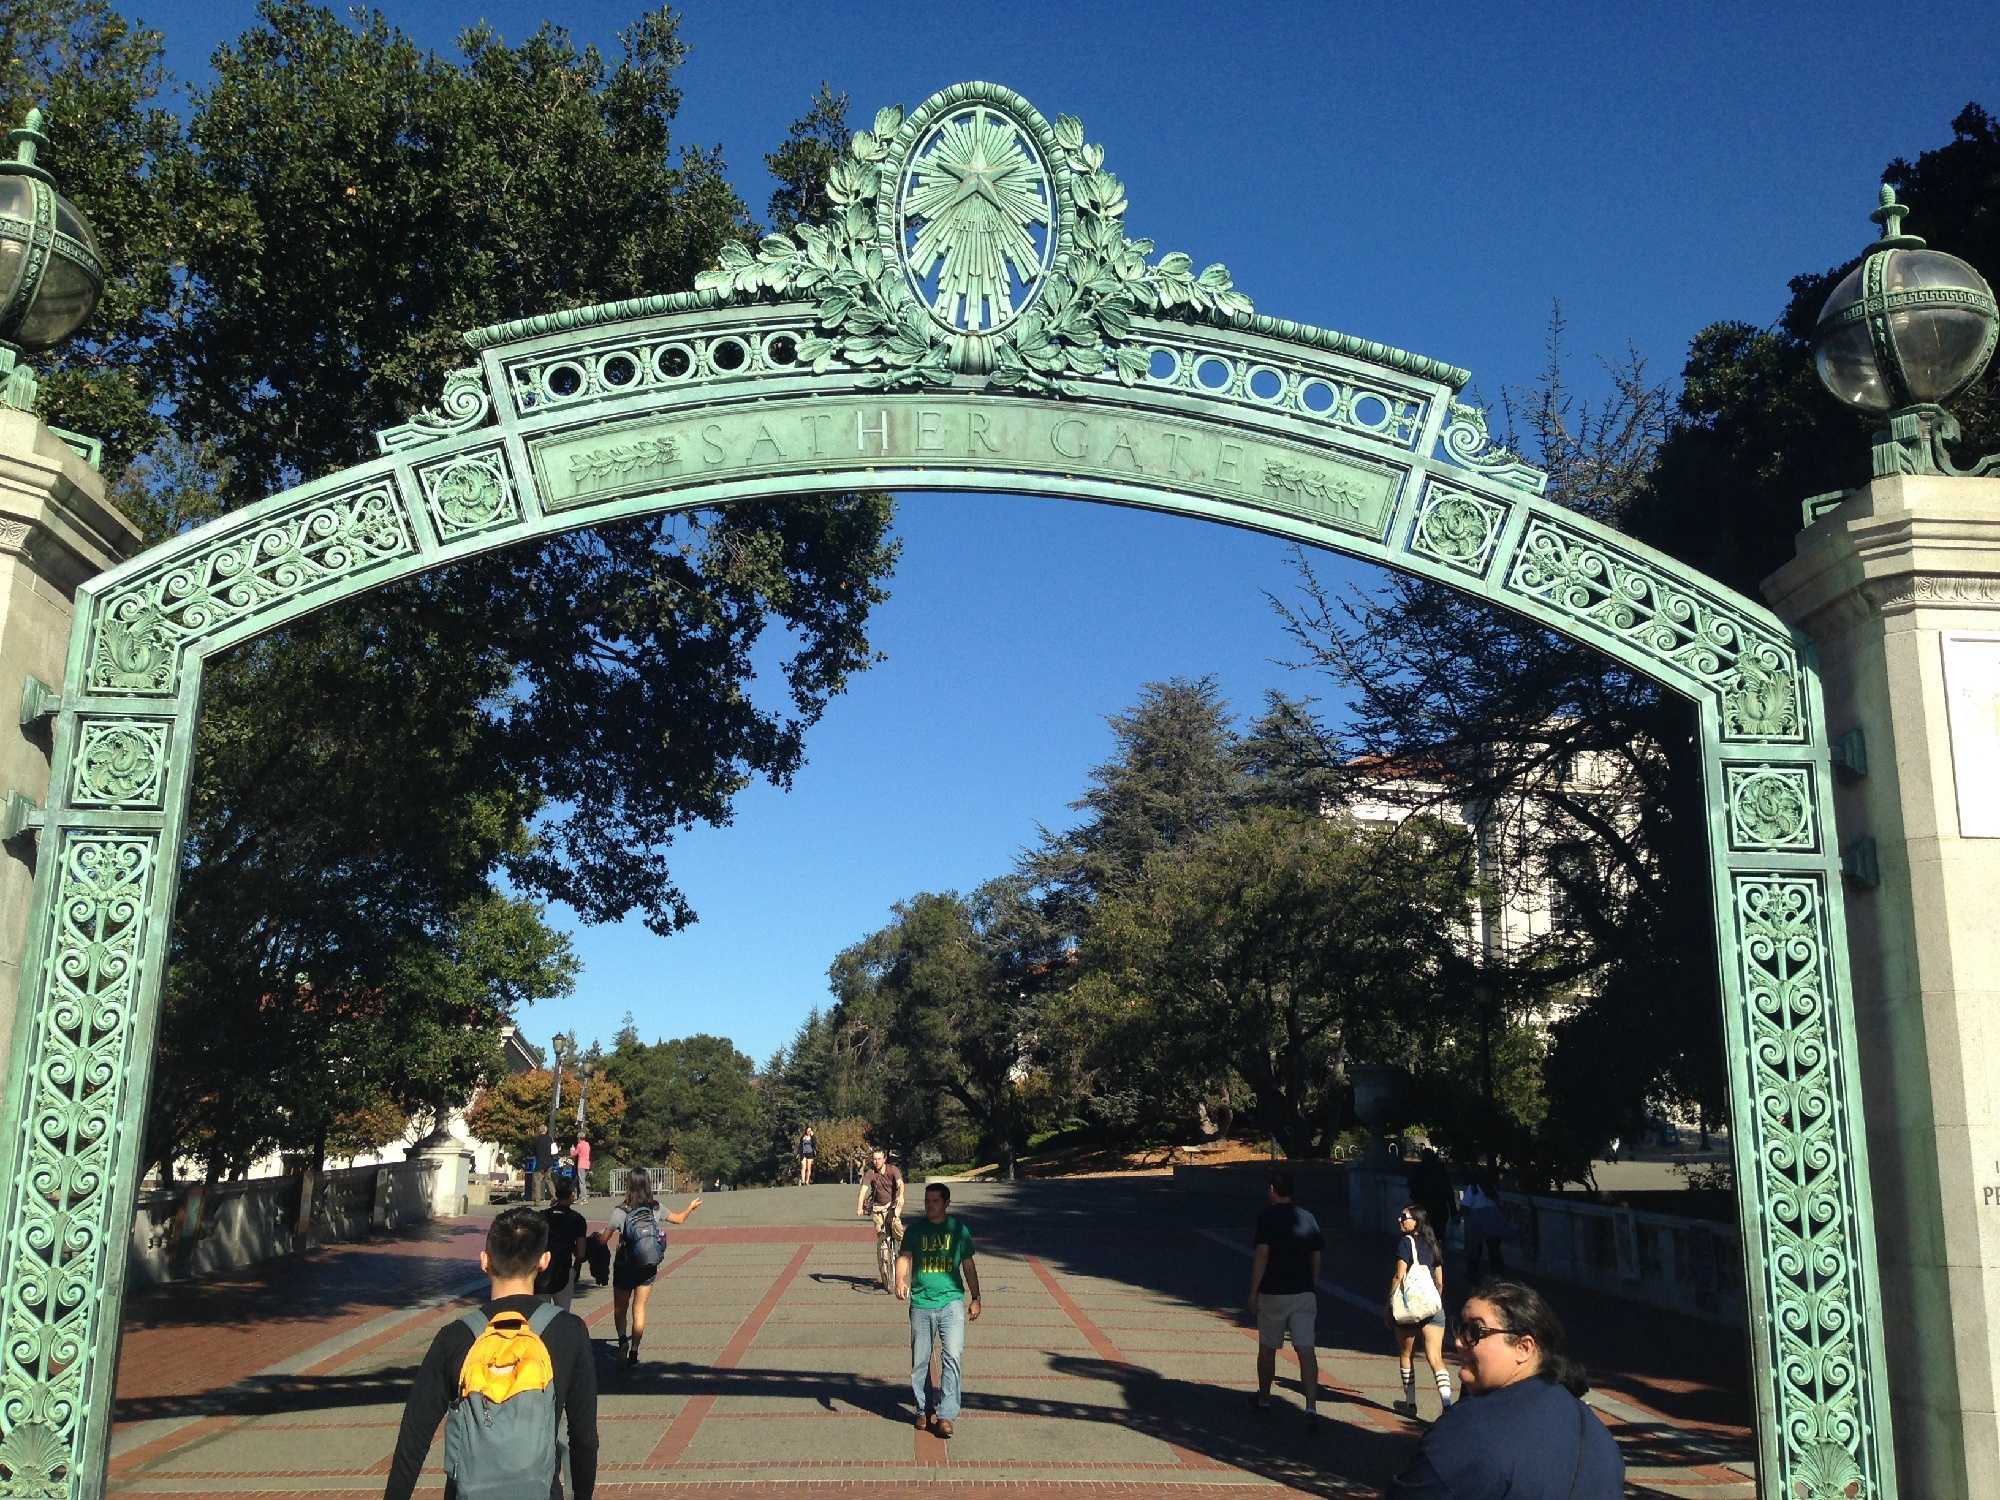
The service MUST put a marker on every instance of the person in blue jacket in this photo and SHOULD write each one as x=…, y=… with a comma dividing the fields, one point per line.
x=1519, y=1430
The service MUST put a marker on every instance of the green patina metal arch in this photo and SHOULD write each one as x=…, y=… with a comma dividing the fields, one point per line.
x=827, y=359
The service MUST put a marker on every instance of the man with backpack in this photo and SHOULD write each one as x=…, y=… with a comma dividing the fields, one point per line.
x=506, y=1378
x=567, y=1232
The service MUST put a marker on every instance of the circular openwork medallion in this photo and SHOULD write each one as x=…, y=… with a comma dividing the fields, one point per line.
x=976, y=216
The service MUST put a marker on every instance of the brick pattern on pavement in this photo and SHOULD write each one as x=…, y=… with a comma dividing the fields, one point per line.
x=1110, y=1360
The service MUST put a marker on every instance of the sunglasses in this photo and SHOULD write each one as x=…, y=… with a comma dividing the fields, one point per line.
x=1469, y=1334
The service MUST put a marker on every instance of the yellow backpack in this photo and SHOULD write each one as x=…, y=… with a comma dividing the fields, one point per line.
x=501, y=1436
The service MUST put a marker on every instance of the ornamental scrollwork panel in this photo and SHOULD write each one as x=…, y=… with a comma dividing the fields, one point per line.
x=1466, y=442
x=465, y=405
x=1457, y=529
x=120, y=763
x=1748, y=665
x=469, y=493
x=1800, y=1143
x=66, y=1124
x=143, y=625
x=1770, y=807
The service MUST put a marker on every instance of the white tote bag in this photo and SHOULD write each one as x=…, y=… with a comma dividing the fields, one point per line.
x=1416, y=1299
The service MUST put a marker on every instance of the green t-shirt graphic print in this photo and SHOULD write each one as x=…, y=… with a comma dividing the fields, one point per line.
x=936, y=1252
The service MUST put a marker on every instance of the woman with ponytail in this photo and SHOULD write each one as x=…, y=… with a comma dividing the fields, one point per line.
x=1519, y=1430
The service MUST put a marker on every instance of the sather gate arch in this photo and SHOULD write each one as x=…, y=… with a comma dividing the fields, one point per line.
x=970, y=317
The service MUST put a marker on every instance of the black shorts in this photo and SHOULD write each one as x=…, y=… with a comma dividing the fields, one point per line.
x=627, y=1273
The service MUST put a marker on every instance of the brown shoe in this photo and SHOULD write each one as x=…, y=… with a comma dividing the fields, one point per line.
x=923, y=1421
x=941, y=1427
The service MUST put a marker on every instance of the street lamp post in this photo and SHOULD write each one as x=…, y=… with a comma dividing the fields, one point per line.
x=1904, y=332
x=555, y=1108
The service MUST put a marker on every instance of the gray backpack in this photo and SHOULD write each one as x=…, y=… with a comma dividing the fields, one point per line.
x=501, y=1437
x=642, y=1241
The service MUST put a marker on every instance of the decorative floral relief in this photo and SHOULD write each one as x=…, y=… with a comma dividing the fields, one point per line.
x=59, y=1197
x=1753, y=671
x=142, y=626
x=1770, y=807
x=616, y=462
x=1457, y=529
x=871, y=319
x=1301, y=483
x=120, y=763
x=469, y=493
x=464, y=406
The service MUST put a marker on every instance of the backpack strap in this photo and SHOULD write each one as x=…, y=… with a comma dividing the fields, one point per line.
x=475, y=1321
x=539, y=1320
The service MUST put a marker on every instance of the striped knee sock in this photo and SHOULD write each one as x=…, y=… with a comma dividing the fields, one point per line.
x=1409, y=1385
x=1444, y=1385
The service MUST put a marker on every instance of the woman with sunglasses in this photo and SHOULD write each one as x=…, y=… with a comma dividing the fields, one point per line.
x=1419, y=1247
x=1519, y=1430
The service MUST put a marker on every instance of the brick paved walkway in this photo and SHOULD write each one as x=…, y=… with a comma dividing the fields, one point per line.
x=1110, y=1361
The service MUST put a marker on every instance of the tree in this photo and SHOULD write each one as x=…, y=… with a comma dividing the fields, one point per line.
x=291, y=271
x=1172, y=778
x=419, y=1028
x=815, y=143
x=514, y=1113
x=363, y=1131
x=1278, y=945
x=958, y=983
x=1455, y=705
x=692, y=1100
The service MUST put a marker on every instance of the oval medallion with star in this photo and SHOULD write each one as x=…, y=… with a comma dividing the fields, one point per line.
x=977, y=219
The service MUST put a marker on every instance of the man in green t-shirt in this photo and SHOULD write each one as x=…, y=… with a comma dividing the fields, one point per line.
x=936, y=1276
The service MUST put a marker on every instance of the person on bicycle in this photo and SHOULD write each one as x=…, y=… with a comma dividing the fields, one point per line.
x=882, y=1199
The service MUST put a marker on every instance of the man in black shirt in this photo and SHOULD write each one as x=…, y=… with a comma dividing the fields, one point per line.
x=567, y=1232
x=1284, y=1272
x=516, y=1249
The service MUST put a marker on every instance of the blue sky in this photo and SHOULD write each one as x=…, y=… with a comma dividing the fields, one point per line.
x=1433, y=178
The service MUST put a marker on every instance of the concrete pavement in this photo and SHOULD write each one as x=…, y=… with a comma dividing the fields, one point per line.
x=1111, y=1359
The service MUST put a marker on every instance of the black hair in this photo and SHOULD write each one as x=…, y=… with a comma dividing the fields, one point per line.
x=1282, y=1180
x=515, y=1242
x=1416, y=1211
x=942, y=1189
x=1523, y=1312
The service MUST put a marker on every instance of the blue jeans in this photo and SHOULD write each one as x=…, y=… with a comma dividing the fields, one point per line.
x=946, y=1326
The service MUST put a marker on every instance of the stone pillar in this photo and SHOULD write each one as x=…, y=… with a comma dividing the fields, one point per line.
x=56, y=530
x=1898, y=586
x=451, y=1188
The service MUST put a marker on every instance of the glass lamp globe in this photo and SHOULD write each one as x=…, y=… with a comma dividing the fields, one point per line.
x=1907, y=327
x=51, y=273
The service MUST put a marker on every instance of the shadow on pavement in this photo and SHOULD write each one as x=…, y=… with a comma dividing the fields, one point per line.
x=1339, y=1460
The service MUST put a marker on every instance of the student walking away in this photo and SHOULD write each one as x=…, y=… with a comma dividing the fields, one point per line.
x=1416, y=1305
x=882, y=1199
x=513, y=1381
x=1485, y=1229
x=638, y=1245
x=567, y=1233
x=936, y=1276
x=1431, y=1190
x=808, y=1149
x=1284, y=1276
x=1520, y=1431
x=582, y=1159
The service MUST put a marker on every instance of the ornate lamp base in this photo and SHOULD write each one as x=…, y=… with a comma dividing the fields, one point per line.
x=1914, y=444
